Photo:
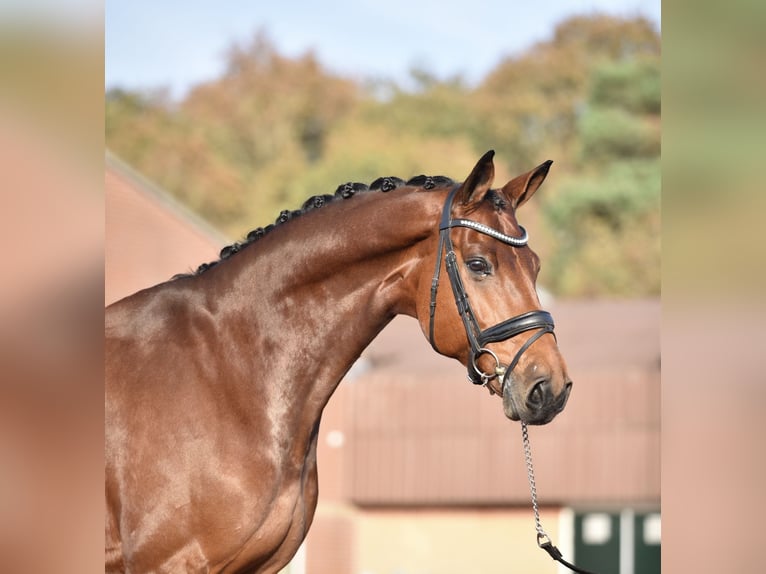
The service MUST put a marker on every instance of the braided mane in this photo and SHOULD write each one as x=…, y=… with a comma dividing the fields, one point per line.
x=344, y=191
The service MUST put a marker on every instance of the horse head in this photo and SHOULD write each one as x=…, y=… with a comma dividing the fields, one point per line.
x=490, y=319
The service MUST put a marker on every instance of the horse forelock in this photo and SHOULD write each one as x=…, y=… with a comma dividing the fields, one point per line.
x=343, y=192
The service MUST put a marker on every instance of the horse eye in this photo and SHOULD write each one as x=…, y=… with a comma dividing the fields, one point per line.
x=478, y=266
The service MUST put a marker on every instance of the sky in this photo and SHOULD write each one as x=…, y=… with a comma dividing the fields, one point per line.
x=175, y=44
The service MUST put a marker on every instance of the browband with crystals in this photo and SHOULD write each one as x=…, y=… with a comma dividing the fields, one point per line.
x=485, y=229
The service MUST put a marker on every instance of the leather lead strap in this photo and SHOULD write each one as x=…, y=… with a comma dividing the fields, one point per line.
x=555, y=553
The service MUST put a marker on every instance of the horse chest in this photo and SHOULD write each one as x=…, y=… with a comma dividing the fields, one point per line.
x=245, y=512
x=254, y=542
x=282, y=529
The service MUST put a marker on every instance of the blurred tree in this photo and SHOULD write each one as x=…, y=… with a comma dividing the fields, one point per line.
x=607, y=232
x=633, y=85
x=532, y=102
x=363, y=151
x=432, y=107
x=272, y=130
x=611, y=133
x=152, y=134
x=232, y=147
x=265, y=103
x=605, y=217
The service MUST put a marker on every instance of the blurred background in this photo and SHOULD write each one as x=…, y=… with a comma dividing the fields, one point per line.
x=52, y=103
x=307, y=98
x=217, y=119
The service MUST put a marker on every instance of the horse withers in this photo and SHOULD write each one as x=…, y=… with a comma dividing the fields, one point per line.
x=216, y=380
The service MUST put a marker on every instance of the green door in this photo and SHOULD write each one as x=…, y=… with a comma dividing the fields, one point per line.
x=626, y=542
x=597, y=541
x=646, y=543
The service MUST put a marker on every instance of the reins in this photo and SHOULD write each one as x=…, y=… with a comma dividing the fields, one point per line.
x=543, y=540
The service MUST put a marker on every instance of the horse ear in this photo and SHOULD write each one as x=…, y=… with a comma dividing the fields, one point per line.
x=522, y=187
x=480, y=180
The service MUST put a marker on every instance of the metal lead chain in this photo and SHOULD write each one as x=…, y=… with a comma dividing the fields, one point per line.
x=542, y=537
x=543, y=540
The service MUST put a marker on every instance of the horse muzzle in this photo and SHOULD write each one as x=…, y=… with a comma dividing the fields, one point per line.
x=536, y=404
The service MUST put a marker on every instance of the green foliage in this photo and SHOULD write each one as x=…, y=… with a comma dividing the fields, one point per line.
x=613, y=133
x=615, y=196
x=633, y=86
x=607, y=229
x=530, y=104
x=605, y=218
x=363, y=152
x=436, y=109
x=273, y=130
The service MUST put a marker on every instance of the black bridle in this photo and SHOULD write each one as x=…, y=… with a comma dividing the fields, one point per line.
x=477, y=338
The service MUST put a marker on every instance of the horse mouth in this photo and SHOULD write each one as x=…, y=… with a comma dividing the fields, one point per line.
x=530, y=414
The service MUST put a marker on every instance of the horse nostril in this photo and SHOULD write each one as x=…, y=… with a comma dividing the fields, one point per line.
x=564, y=396
x=538, y=395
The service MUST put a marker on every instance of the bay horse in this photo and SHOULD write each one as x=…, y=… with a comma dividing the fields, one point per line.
x=216, y=380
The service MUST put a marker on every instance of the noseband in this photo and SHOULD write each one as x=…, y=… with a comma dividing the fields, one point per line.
x=477, y=338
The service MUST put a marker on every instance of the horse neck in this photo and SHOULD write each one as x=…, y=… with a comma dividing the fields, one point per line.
x=315, y=291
